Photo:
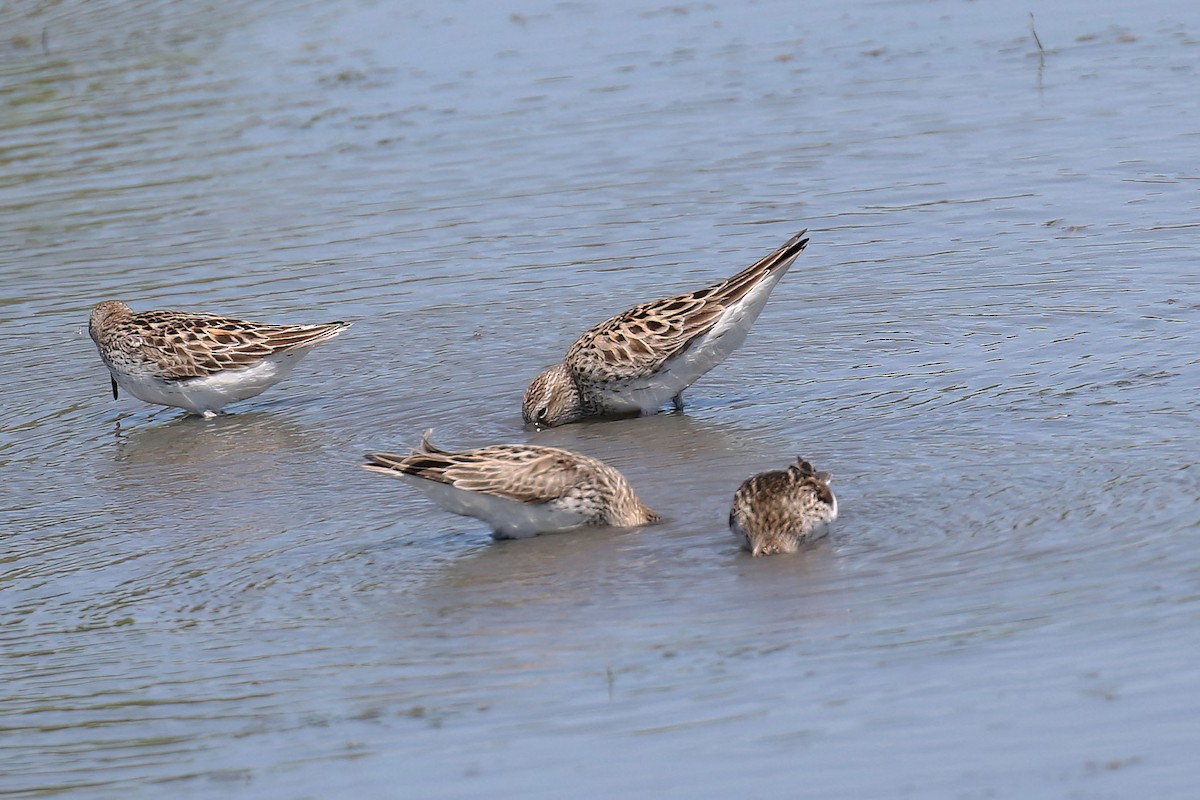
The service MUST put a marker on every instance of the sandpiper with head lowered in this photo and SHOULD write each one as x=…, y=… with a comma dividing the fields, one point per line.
x=636, y=361
x=520, y=490
x=197, y=362
x=776, y=512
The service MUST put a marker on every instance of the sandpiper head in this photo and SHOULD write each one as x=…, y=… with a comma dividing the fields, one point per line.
x=626, y=509
x=650, y=516
x=552, y=399
x=103, y=313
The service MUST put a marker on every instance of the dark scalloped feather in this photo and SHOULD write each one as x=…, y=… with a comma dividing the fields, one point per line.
x=638, y=342
x=526, y=473
x=184, y=345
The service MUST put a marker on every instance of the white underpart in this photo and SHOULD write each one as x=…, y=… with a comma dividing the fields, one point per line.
x=207, y=395
x=510, y=519
x=705, y=352
x=821, y=529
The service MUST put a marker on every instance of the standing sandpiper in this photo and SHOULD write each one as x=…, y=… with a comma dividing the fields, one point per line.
x=197, y=362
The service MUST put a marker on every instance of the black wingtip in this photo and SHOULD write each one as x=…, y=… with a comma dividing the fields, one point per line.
x=797, y=243
x=114, y=385
x=376, y=462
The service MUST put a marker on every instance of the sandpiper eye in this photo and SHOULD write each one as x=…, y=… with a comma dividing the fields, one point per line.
x=542, y=413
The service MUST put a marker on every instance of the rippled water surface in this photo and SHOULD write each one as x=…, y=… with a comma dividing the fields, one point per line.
x=991, y=342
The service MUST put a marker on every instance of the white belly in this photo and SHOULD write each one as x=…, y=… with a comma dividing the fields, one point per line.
x=209, y=394
x=510, y=519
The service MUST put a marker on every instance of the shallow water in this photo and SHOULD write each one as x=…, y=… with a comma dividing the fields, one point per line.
x=990, y=342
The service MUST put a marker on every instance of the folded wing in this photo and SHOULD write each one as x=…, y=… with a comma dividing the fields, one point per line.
x=193, y=345
x=524, y=473
x=638, y=342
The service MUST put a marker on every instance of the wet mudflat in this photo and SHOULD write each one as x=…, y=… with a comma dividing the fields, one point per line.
x=990, y=342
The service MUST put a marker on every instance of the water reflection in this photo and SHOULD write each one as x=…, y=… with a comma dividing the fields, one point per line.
x=558, y=568
x=190, y=441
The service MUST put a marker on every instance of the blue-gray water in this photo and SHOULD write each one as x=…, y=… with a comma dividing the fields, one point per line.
x=991, y=342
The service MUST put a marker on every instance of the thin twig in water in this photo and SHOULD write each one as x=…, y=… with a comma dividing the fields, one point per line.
x=1041, y=52
x=1036, y=40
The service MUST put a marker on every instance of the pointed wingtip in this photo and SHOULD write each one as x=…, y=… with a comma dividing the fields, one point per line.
x=331, y=329
x=290, y=337
x=378, y=468
x=427, y=447
x=809, y=471
x=796, y=244
x=384, y=463
x=803, y=466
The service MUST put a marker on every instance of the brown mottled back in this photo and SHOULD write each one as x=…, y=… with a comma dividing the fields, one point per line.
x=638, y=342
x=776, y=512
x=525, y=473
x=177, y=345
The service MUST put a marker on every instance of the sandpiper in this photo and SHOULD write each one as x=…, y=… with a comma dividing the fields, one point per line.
x=197, y=362
x=776, y=512
x=520, y=490
x=636, y=361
